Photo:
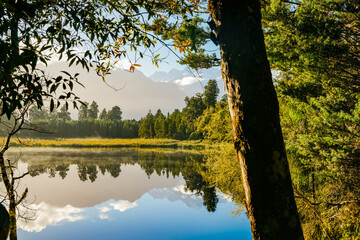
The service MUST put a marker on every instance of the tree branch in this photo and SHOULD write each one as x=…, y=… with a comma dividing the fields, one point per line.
x=311, y=206
x=23, y=175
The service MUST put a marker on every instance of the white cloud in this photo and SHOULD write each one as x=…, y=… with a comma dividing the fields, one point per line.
x=48, y=215
x=187, y=81
x=123, y=205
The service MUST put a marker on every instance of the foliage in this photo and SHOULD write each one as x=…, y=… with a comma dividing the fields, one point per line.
x=63, y=114
x=81, y=32
x=93, y=110
x=313, y=43
x=220, y=166
x=174, y=125
x=190, y=37
x=30, y=32
x=83, y=111
x=58, y=128
x=315, y=46
x=211, y=93
x=35, y=114
x=215, y=123
x=103, y=114
x=146, y=129
x=194, y=107
x=114, y=114
x=160, y=125
x=195, y=121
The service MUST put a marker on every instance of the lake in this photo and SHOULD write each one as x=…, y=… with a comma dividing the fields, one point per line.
x=123, y=194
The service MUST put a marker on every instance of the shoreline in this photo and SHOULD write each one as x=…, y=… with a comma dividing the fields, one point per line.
x=117, y=143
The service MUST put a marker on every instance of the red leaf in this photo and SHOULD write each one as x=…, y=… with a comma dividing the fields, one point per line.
x=132, y=68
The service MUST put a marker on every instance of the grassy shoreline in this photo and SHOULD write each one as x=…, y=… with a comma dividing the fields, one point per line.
x=115, y=143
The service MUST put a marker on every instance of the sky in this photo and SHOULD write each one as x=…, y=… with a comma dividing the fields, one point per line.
x=148, y=68
x=133, y=92
x=138, y=96
x=134, y=99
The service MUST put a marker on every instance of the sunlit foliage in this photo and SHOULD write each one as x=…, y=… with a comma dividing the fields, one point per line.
x=315, y=46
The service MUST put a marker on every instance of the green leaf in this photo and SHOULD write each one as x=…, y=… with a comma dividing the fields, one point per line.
x=72, y=61
x=51, y=105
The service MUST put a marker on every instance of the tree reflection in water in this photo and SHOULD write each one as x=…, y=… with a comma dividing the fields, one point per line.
x=201, y=172
x=199, y=178
x=204, y=173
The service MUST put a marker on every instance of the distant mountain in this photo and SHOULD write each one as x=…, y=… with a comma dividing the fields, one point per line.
x=133, y=92
x=173, y=74
x=190, y=81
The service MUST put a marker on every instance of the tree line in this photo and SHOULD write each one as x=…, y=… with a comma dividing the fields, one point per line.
x=203, y=117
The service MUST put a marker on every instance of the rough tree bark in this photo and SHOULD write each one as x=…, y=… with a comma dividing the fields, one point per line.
x=254, y=112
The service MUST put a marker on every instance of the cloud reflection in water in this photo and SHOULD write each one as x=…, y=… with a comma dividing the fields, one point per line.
x=46, y=215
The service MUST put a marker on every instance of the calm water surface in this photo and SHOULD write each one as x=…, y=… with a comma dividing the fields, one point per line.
x=122, y=194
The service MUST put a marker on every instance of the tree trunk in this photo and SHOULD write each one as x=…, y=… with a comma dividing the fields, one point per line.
x=12, y=214
x=254, y=112
x=7, y=175
x=11, y=197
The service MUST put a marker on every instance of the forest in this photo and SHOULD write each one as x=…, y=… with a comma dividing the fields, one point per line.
x=203, y=117
x=292, y=109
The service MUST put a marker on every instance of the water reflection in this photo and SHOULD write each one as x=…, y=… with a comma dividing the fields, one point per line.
x=85, y=186
x=48, y=214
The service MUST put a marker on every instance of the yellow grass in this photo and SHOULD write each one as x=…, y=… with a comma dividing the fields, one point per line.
x=96, y=142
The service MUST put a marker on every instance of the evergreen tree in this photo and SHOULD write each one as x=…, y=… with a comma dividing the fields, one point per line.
x=103, y=114
x=146, y=129
x=173, y=123
x=194, y=107
x=158, y=114
x=93, y=110
x=211, y=93
x=159, y=126
x=83, y=111
x=130, y=128
x=115, y=114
